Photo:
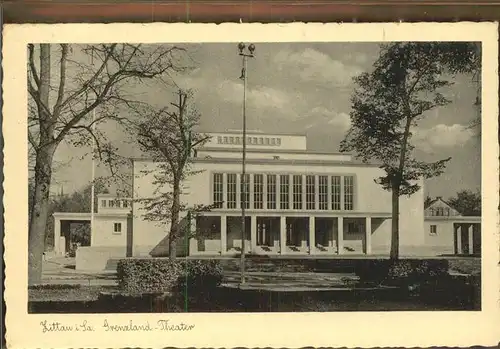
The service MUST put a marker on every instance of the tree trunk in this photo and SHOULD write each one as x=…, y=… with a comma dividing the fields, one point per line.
x=394, y=255
x=43, y=173
x=174, y=227
x=39, y=214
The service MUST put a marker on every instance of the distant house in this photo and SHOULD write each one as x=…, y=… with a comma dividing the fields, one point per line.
x=439, y=207
x=448, y=232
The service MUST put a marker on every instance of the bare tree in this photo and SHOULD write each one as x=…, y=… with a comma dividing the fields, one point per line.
x=63, y=102
x=167, y=135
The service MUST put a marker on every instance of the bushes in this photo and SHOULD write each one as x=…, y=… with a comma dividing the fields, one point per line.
x=387, y=271
x=200, y=275
x=418, y=270
x=160, y=275
x=466, y=265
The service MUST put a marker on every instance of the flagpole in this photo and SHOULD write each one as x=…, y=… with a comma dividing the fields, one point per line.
x=92, y=195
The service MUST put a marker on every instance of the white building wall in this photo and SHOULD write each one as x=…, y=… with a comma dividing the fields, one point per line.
x=411, y=225
x=370, y=198
x=443, y=241
x=104, y=234
x=269, y=155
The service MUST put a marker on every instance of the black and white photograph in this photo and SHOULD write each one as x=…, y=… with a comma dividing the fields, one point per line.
x=251, y=176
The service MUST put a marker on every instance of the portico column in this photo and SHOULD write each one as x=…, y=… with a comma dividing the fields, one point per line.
x=193, y=240
x=312, y=235
x=459, y=239
x=282, y=234
x=340, y=235
x=253, y=233
x=471, y=239
x=57, y=235
x=368, y=228
x=62, y=237
x=223, y=234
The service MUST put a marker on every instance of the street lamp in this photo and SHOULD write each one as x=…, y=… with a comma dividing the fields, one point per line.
x=245, y=52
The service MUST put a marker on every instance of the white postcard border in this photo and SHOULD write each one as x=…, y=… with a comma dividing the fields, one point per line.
x=353, y=329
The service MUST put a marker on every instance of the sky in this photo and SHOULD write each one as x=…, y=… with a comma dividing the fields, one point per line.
x=298, y=88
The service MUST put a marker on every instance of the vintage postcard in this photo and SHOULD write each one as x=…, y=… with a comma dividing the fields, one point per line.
x=233, y=185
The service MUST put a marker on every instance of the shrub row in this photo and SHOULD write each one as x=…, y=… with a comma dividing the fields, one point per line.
x=380, y=271
x=160, y=275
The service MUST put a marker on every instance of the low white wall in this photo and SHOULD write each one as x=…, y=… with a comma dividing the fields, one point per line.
x=91, y=258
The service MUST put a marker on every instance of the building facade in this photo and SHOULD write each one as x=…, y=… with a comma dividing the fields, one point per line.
x=448, y=232
x=110, y=235
x=297, y=202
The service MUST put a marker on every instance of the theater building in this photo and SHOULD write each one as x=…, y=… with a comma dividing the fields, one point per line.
x=298, y=202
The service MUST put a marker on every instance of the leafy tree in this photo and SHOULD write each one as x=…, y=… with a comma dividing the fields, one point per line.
x=467, y=202
x=61, y=106
x=388, y=103
x=167, y=135
x=78, y=201
x=427, y=201
x=465, y=58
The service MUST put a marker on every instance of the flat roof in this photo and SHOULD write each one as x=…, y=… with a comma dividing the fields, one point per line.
x=118, y=197
x=271, y=150
x=86, y=216
x=353, y=163
x=256, y=132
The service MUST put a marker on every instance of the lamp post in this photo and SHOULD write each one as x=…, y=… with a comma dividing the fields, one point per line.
x=245, y=52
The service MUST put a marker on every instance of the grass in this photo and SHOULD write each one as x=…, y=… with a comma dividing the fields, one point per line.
x=470, y=266
x=68, y=293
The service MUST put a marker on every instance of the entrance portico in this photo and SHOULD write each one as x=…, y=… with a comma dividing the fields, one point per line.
x=62, y=229
x=111, y=229
x=286, y=234
x=467, y=238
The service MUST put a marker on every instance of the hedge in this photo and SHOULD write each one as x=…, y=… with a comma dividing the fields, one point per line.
x=160, y=275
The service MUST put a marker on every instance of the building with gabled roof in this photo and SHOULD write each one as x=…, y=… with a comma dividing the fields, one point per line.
x=449, y=232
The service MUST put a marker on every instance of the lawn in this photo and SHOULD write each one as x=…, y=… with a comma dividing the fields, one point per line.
x=72, y=293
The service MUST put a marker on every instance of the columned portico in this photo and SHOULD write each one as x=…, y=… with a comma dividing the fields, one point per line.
x=467, y=237
x=62, y=229
x=285, y=234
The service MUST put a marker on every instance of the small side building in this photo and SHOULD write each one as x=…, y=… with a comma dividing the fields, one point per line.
x=448, y=232
x=110, y=237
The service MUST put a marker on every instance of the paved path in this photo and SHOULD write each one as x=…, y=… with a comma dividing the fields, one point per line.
x=61, y=270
